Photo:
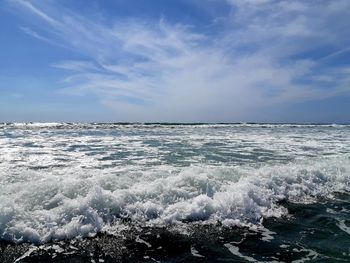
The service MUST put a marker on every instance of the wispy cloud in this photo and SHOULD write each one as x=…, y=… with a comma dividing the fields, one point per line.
x=75, y=65
x=156, y=70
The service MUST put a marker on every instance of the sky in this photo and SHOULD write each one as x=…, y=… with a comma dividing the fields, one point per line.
x=175, y=61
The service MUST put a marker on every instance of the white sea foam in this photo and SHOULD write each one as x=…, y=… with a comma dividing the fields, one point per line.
x=70, y=205
x=235, y=251
x=195, y=253
x=341, y=224
x=66, y=184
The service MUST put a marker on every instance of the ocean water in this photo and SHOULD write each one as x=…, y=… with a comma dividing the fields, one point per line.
x=74, y=192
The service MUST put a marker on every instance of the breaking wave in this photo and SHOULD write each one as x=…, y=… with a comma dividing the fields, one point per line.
x=44, y=205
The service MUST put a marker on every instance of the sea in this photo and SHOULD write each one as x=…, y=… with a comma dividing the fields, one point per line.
x=170, y=192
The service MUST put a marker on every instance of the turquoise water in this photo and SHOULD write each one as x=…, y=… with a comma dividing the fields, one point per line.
x=200, y=192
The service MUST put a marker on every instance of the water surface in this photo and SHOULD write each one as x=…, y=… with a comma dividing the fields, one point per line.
x=172, y=193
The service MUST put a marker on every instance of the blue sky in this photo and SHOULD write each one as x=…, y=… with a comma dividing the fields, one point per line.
x=175, y=60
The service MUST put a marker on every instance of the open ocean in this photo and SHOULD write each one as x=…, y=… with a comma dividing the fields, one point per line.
x=73, y=192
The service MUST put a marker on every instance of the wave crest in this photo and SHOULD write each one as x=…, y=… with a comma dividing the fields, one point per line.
x=67, y=205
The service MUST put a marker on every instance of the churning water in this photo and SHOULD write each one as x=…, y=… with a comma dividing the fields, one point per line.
x=218, y=192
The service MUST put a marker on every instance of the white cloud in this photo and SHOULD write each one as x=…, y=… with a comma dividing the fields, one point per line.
x=76, y=65
x=160, y=71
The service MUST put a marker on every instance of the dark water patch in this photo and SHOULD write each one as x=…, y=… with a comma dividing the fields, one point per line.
x=32, y=145
x=116, y=156
x=46, y=167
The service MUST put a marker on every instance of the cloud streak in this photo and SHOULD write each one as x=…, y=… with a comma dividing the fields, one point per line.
x=159, y=71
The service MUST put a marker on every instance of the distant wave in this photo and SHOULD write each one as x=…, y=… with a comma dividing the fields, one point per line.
x=75, y=125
